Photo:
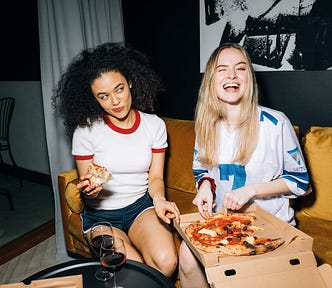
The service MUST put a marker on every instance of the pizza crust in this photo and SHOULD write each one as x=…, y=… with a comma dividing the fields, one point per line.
x=250, y=249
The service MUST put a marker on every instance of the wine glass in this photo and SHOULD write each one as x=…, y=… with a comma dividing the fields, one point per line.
x=99, y=232
x=113, y=256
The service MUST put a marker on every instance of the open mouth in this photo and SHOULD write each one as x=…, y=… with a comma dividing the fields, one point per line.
x=231, y=86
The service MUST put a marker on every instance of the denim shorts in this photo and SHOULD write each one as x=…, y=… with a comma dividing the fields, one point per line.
x=121, y=218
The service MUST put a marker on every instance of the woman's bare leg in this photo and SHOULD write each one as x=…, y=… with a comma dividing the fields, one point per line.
x=154, y=240
x=132, y=252
x=190, y=270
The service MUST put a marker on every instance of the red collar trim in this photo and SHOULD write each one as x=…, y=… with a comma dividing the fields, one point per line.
x=122, y=130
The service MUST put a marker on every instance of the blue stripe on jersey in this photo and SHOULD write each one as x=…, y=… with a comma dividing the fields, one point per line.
x=293, y=151
x=296, y=176
x=304, y=176
x=303, y=186
x=199, y=173
x=235, y=170
x=295, y=154
x=268, y=116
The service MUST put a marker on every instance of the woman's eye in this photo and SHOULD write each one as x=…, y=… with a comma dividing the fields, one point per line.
x=104, y=97
x=119, y=90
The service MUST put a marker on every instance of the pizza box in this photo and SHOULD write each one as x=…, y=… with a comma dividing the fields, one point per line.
x=287, y=271
x=291, y=265
x=295, y=240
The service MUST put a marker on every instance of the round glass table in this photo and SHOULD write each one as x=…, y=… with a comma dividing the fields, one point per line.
x=132, y=275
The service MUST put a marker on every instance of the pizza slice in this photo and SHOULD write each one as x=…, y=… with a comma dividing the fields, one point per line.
x=100, y=174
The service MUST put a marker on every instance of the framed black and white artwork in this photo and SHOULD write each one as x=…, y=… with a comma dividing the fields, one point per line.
x=279, y=35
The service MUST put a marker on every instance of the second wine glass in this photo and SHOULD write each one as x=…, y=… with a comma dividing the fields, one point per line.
x=113, y=256
x=99, y=232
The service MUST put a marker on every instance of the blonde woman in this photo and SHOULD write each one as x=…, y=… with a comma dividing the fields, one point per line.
x=244, y=152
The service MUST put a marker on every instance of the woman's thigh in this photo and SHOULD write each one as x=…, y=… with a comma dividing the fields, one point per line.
x=132, y=252
x=150, y=235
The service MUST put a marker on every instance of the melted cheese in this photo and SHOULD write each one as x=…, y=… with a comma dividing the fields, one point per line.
x=224, y=241
x=207, y=231
x=250, y=240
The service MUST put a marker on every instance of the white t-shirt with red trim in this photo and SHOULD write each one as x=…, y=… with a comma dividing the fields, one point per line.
x=126, y=153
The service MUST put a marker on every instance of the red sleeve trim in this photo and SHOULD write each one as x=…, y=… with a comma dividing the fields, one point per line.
x=213, y=184
x=159, y=150
x=84, y=157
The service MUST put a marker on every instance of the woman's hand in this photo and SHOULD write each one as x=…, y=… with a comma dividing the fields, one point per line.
x=204, y=199
x=89, y=191
x=235, y=199
x=166, y=210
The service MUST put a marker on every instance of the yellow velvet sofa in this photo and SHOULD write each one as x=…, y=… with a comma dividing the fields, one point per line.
x=313, y=213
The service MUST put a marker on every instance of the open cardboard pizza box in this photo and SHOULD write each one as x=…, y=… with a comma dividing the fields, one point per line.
x=293, y=260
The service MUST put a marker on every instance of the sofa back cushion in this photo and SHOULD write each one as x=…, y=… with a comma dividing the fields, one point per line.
x=317, y=146
x=179, y=155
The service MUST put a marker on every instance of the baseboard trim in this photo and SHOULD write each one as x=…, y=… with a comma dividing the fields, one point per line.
x=27, y=241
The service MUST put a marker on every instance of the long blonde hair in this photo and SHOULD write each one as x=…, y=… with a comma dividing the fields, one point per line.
x=209, y=112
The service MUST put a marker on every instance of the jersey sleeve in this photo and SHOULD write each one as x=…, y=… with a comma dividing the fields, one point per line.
x=294, y=172
x=199, y=170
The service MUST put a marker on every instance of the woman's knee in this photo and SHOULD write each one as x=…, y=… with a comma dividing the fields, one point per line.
x=165, y=261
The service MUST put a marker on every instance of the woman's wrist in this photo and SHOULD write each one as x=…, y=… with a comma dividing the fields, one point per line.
x=209, y=179
x=156, y=199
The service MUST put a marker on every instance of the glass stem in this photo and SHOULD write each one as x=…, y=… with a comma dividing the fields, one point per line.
x=114, y=279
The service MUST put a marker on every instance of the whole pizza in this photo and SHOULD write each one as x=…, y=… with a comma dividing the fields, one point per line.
x=231, y=234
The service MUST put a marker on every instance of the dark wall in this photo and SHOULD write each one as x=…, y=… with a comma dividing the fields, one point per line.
x=168, y=31
x=19, y=49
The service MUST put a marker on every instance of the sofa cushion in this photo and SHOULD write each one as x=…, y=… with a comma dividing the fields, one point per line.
x=317, y=145
x=73, y=198
x=179, y=155
x=182, y=199
x=320, y=230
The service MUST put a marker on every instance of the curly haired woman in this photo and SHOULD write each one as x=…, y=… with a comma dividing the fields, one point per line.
x=107, y=97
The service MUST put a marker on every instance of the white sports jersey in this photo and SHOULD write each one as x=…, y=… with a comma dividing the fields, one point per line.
x=278, y=154
x=126, y=153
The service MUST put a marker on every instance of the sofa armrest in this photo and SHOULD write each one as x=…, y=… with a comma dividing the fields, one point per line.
x=64, y=179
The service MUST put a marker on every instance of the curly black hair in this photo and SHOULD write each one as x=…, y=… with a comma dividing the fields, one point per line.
x=73, y=98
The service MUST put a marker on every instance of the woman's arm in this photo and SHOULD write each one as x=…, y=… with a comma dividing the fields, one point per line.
x=237, y=198
x=165, y=210
x=205, y=185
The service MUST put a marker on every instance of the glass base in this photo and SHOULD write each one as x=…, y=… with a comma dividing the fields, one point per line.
x=103, y=275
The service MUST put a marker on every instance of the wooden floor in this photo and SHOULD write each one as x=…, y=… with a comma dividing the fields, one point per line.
x=29, y=262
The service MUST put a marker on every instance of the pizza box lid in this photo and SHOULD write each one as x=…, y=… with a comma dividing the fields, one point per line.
x=288, y=271
x=273, y=227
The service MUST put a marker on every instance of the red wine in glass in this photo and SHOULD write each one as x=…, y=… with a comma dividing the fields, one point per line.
x=96, y=242
x=113, y=261
x=99, y=232
x=113, y=256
